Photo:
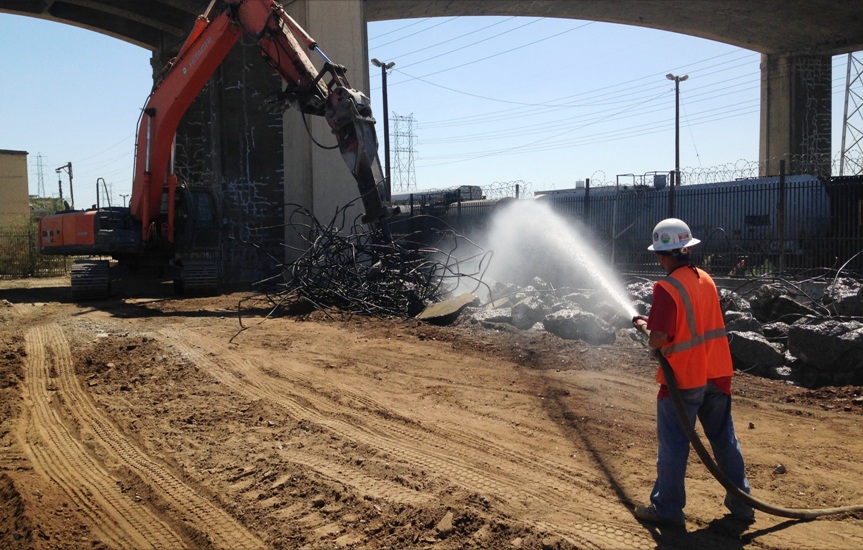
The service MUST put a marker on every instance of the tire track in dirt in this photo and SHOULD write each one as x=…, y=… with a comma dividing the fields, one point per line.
x=535, y=488
x=60, y=456
x=216, y=525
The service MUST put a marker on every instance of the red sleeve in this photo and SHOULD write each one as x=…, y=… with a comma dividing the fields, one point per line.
x=663, y=313
x=723, y=383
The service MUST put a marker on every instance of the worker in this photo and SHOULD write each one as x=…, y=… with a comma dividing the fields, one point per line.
x=686, y=326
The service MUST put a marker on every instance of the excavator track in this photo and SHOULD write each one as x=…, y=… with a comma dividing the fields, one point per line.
x=91, y=280
x=198, y=277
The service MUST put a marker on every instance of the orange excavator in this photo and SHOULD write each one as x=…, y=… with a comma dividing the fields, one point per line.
x=171, y=228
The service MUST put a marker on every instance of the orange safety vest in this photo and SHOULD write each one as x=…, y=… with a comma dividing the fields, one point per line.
x=700, y=347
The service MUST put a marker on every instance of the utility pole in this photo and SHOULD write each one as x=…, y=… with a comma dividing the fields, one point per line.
x=384, y=68
x=68, y=168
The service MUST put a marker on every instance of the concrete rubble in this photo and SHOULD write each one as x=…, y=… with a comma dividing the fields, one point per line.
x=775, y=330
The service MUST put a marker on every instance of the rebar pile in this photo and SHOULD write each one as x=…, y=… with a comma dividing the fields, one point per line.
x=367, y=271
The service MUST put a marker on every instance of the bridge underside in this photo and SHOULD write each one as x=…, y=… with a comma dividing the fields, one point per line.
x=786, y=27
x=261, y=160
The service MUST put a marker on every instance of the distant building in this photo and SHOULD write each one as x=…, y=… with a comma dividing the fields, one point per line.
x=14, y=200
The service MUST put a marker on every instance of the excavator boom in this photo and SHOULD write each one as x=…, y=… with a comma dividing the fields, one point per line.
x=323, y=93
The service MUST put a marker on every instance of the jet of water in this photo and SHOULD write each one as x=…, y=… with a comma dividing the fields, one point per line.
x=530, y=239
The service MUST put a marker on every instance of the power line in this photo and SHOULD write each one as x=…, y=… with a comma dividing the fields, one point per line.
x=630, y=132
x=465, y=47
x=425, y=49
x=739, y=93
x=463, y=64
x=621, y=90
x=412, y=35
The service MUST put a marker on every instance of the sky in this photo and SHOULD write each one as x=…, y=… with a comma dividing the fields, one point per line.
x=472, y=100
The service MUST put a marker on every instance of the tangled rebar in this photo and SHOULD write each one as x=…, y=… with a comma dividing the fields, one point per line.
x=369, y=270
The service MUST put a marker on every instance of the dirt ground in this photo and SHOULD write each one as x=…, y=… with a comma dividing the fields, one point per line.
x=150, y=422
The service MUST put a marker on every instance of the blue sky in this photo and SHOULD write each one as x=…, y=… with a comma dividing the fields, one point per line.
x=488, y=99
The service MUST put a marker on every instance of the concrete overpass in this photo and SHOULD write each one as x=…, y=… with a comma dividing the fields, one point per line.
x=775, y=27
x=262, y=159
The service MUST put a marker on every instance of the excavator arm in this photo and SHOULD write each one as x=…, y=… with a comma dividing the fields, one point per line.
x=324, y=93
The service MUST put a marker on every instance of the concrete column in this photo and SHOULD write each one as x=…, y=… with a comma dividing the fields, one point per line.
x=256, y=159
x=795, y=113
x=317, y=178
x=230, y=141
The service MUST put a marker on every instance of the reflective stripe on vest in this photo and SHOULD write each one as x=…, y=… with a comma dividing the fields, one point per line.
x=696, y=339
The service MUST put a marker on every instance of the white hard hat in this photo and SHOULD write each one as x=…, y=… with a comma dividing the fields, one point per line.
x=671, y=234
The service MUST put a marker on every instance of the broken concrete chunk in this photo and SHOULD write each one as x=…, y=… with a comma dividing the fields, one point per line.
x=750, y=350
x=846, y=296
x=446, y=312
x=770, y=303
x=445, y=526
x=496, y=315
x=822, y=345
x=575, y=324
x=527, y=312
x=739, y=321
x=731, y=301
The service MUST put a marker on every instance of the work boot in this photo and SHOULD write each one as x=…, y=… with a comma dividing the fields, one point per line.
x=649, y=513
x=732, y=525
x=743, y=519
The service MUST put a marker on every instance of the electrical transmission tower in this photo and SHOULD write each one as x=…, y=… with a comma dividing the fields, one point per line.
x=40, y=190
x=851, y=158
x=404, y=176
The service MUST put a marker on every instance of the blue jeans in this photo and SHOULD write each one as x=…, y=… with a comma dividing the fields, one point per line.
x=713, y=409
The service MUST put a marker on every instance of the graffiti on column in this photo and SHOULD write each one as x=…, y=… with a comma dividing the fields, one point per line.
x=228, y=140
x=813, y=79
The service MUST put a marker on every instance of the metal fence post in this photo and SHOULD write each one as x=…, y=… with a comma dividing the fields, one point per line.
x=780, y=216
x=31, y=262
x=586, y=202
x=671, y=194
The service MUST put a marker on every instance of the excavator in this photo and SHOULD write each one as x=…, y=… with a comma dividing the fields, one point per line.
x=171, y=228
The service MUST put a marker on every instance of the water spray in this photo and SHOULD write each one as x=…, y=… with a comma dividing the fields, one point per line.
x=530, y=236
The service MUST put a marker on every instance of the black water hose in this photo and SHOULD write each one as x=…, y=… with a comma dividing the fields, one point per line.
x=707, y=459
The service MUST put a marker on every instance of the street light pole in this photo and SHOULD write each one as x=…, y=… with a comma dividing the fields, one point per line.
x=676, y=180
x=677, y=80
x=384, y=68
x=124, y=199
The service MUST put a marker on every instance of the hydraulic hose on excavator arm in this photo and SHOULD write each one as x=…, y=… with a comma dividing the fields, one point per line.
x=707, y=459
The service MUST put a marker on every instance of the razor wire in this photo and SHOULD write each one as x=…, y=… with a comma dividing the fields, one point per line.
x=501, y=189
x=798, y=164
